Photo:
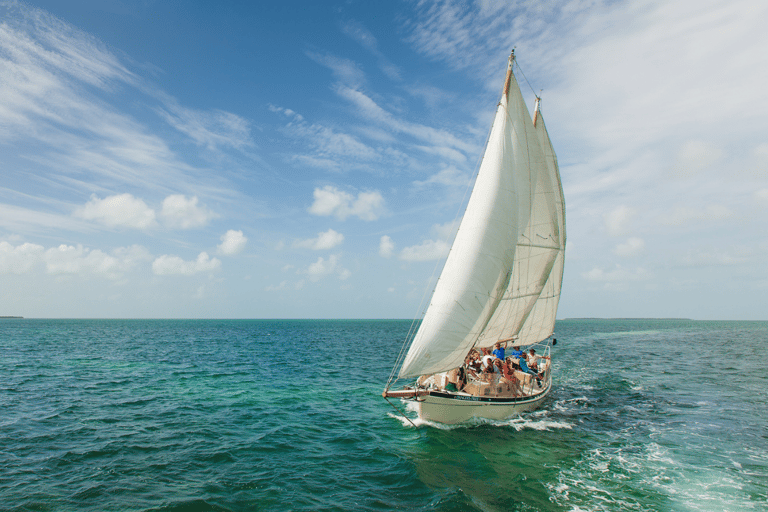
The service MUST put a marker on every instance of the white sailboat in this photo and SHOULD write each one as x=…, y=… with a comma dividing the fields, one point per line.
x=501, y=280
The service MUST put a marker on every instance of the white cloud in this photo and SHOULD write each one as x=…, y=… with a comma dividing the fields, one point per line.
x=232, y=242
x=324, y=241
x=180, y=212
x=68, y=259
x=386, y=247
x=212, y=129
x=617, y=221
x=122, y=210
x=762, y=194
x=632, y=247
x=19, y=259
x=427, y=250
x=169, y=265
x=323, y=267
x=450, y=177
x=344, y=70
x=331, y=201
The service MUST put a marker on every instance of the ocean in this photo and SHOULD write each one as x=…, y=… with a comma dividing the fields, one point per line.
x=280, y=415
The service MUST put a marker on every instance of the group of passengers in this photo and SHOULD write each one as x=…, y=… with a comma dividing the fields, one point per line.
x=490, y=366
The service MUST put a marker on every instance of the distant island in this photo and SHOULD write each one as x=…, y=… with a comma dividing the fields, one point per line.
x=1, y=317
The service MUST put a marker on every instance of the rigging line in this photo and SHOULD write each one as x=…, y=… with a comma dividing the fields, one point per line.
x=526, y=79
x=401, y=412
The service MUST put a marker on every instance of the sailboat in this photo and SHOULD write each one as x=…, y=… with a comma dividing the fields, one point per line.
x=500, y=282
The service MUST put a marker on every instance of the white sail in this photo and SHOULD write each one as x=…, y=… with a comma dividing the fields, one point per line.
x=541, y=321
x=492, y=277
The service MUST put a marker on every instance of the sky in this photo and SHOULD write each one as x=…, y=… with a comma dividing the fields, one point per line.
x=304, y=159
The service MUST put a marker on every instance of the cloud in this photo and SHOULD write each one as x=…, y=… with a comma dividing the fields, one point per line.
x=232, y=242
x=344, y=70
x=426, y=251
x=322, y=268
x=169, y=265
x=386, y=247
x=212, y=129
x=121, y=210
x=617, y=221
x=331, y=201
x=180, y=212
x=324, y=241
x=19, y=259
x=68, y=259
x=449, y=177
x=632, y=247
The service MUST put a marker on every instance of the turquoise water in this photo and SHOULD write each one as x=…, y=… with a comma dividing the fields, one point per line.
x=190, y=415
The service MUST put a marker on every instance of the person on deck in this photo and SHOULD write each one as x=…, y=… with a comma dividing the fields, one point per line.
x=498, y=350
x=534, y=360
x=524, y=368
x=508, y=374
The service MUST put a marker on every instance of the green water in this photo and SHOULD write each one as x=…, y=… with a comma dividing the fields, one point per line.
x=286, y=415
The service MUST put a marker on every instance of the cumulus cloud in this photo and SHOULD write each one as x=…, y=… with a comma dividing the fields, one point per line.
x=232, y=242
x=386, y=247
x=182, y=212
x=121, y=210
x=19, y=259
x=69, y=259
x=169, y=265
x=631, y=247
x=323, y=241
x=325, y=267
x=331, y=201
x=426, y=251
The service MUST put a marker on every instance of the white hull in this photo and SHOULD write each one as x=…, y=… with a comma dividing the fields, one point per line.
x=450, y=408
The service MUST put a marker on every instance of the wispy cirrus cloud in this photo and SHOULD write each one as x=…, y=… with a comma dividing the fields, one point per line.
x=212, y=129
x=63, y=108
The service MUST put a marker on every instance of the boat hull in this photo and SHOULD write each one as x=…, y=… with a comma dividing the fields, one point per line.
x=451, y=408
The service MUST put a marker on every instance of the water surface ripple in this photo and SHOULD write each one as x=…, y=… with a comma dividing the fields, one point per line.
x=236, y=415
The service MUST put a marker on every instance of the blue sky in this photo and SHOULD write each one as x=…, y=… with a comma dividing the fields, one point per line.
x=308, y=159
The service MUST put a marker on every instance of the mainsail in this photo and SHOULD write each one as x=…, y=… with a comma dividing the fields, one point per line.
x=503, y=275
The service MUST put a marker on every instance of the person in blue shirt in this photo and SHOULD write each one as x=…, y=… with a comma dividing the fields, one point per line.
x=517, y=353
x=498, y=350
